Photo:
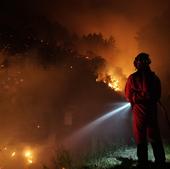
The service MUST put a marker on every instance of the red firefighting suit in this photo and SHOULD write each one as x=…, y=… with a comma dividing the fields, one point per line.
x=143, y=91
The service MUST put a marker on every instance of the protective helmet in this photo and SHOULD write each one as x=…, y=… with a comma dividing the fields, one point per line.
x=142, y=60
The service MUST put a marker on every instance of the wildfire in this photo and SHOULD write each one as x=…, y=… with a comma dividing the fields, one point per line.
x=112, y=82
x=27, y=155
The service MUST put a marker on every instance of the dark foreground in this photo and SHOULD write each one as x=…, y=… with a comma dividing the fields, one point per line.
x=131, y=164
x=123, y=157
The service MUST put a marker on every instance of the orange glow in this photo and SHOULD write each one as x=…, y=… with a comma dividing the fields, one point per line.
x=29, y=156
x=110, y=80
x=13, y=154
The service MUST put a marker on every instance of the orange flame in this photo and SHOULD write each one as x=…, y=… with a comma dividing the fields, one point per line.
x=110, y=80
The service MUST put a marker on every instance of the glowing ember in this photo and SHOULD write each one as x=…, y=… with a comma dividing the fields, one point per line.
x=29, y=161
x=13, y=154
x=5, y=148
x=29, y=156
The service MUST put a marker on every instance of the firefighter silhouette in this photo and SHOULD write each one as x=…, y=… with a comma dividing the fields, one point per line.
x=143, y=91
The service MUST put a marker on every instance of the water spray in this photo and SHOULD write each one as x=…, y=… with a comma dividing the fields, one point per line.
x=120, y=108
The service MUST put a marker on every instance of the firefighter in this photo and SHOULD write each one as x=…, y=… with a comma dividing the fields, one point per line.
x=143, y=91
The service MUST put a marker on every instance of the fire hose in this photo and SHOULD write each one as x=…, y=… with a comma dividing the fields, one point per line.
x=164, y=110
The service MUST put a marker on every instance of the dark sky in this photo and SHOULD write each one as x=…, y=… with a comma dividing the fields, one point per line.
x=81, y=15
x=120, y=18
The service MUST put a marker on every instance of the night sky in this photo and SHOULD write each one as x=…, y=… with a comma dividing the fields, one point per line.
x=138, y=23
x=57, y=58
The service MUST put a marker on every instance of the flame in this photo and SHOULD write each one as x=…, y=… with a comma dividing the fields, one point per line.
x=29, y=156
x=110, y=80
x=114, y=84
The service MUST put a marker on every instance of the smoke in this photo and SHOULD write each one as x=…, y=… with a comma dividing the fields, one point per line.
x=43, y=102
x=52, y=52
x=120, y=19
x=154, y=38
